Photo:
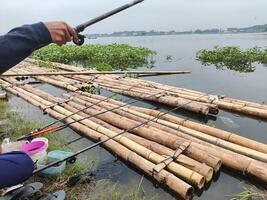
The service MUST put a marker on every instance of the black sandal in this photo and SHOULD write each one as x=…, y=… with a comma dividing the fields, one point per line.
x=25, y=192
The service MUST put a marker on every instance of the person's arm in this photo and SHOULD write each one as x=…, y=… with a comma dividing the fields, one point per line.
x=20, y=42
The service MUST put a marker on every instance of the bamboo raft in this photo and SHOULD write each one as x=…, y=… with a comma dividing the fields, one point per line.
x=198, y=102
x=178, y=153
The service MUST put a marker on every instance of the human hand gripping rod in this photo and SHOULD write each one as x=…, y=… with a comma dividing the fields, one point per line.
x=80, y=28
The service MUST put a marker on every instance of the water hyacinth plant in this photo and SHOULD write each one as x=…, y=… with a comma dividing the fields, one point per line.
x=101, y=57
x=233, y=58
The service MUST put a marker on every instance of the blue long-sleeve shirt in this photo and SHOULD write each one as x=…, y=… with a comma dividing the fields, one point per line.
x=20, y=42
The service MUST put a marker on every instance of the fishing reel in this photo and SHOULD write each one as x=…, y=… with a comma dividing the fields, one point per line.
x=72, y=160
x=80, y=41
x=80, y=28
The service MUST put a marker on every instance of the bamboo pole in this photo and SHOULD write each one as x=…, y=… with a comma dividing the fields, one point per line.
x=245, y=103
x=164, y=177
x=245, y=107
x=229, y=158
x=232, y=160
x=169, y=100
x=200, y=156
x=179, y=170
x=184, y=124
x=260, y=113
x=188, y=105
x=196, y=166
x=111, y=82
x=93, y=73
x=134, y=116
x=137, y=88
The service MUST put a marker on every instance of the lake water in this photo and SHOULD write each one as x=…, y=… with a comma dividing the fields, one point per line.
x=183, y=48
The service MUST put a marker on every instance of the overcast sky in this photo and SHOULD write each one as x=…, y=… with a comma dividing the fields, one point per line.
x=151, y=14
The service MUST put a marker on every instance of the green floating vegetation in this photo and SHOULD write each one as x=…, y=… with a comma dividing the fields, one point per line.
x=46, y=64
x=91, y=89
x=233, y=58
x=101, y=57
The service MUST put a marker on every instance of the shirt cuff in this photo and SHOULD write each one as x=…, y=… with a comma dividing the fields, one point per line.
x=42, y=33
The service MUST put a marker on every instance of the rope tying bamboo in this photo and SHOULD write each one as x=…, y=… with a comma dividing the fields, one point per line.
x=161, y=165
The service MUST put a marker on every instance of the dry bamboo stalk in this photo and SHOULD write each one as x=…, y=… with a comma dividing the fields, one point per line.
x=166, y=87
x=172, y=101
x=179, y=170
x=196, y=166
x=164, y=177
x=115, y=84
x=245, y=103
x=192, y=106
x=198, y=107
x=130, y=82
x=250, y=168
x=194, y=153
x=260, y=113
x=186, y=125
x=195, y=107
x=201, y=168
x=251, y=108
x=93, y=73
x=230, y=159
x=238, y=108
x=111, y=82
x=134, y=116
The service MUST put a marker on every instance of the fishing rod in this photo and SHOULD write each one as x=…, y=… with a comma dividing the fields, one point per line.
x=93, y=73
x=80, y=28
x=47, y=128
x=110, y=138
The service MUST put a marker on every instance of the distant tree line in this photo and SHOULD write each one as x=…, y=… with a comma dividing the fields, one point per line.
x=252, y=29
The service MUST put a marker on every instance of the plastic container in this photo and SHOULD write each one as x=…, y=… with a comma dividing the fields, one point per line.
x=43, y=139
x=52, y=171
x=58, y=155
x=36, y=150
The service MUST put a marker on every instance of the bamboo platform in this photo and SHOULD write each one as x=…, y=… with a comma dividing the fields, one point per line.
x=198, y=102
x=178, y=153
